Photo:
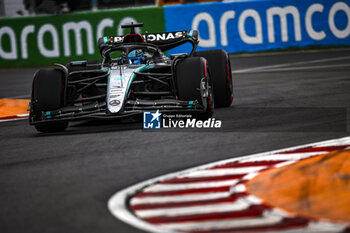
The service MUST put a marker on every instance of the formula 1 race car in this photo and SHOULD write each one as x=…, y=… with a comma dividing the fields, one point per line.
x=134, y=76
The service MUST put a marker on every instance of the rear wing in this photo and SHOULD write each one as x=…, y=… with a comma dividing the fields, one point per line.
x=164, y=40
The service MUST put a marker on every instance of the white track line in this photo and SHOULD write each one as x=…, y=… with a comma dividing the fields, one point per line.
x=238, y=189
x=239, y=205
x=289, y=156
x=16, y=118
x=224, y=171
x=179, y=198
x=259, y=68
x=290, y=52
x=319, y=227
x=301, y=68
x=252, y=175
x=196, y=185
x=119, y=206
x=224, y=224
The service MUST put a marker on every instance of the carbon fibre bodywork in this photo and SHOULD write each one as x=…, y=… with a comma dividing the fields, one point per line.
x=115, y=89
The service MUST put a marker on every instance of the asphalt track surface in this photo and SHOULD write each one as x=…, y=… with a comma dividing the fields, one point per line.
x=62, y=182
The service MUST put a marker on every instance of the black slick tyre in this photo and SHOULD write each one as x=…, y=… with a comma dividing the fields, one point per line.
x=220, y=70
x=189, y=75
x=48, y=94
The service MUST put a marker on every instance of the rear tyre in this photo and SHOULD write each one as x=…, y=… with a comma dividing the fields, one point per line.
x=189, y=75
x=48, y=95
x=220, y=70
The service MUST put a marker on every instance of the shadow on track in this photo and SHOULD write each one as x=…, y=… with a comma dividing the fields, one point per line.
x=97, y=126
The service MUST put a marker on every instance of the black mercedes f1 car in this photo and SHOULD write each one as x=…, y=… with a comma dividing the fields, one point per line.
x=134, y=76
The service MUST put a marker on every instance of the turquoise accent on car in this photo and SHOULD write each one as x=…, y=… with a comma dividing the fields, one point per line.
x=120, y=78
x=78, y=61
x=140, y=69
x=178, y=54
x=105, y=39
x=191, y=33
x=46, y=115
x=190, y=103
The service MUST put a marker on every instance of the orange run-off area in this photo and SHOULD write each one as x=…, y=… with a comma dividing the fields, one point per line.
x=13, y=107
x=318, y=187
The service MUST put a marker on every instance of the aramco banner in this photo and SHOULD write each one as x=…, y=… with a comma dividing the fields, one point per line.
x=240, y=26
x=45, y=40
x=247, y=26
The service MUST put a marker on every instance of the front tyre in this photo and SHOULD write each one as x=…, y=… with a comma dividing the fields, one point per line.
x=48, y=94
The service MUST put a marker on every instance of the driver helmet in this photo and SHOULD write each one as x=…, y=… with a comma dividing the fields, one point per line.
x=135, y=57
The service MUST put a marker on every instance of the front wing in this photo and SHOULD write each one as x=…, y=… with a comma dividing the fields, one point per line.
x=131, y=108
